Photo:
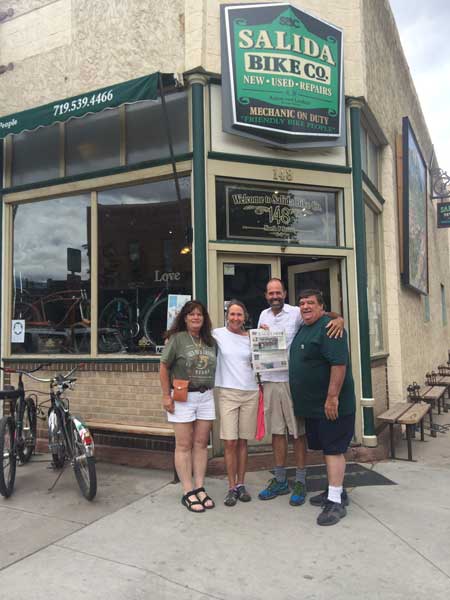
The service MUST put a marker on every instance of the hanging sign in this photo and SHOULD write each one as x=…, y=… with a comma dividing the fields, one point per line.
x=443, y=214
x=281, y=73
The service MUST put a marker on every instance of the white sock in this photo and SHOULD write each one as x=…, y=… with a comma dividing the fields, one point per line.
x=334, y=493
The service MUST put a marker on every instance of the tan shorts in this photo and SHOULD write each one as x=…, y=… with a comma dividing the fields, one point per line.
x=238, y=412
x=279, y=410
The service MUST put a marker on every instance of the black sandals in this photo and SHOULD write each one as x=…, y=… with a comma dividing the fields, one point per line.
x=205, y=499
x=185, y=501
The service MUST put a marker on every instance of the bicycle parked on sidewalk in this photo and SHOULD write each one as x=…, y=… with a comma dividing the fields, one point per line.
x=17, y=430
x=69, y=439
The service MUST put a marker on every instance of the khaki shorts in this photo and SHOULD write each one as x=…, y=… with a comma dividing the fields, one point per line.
x=238, y=412
x=279, y=410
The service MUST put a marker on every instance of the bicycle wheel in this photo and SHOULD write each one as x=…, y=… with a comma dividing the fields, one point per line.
x=83, y=466
x=81, y=338
x=110, y=340
x=155, y=321
x=27, y=311
x=117, y=315
x=8, y=454
x=56, y=441
x=26, y=442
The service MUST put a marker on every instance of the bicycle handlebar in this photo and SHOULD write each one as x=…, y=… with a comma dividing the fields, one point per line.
x=21, y=371
x=59, y=378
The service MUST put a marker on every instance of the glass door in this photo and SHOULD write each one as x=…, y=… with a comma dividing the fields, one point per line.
x=243, y=278
x=323, y=275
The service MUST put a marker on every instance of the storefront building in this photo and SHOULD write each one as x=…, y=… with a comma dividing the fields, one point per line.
x=130, y=176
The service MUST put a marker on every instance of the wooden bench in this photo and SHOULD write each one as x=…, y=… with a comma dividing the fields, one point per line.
x=137, y=429
x=410, y=415
x=434, y=395
x=444, y=369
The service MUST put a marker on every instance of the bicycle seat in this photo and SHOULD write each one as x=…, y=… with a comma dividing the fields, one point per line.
x=9, y=393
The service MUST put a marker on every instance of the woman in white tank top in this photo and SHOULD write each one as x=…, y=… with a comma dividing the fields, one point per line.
x=237, y=393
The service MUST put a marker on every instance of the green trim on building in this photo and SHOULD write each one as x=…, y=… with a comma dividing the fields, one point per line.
x=65, y=359
x=148, y=164
x=277, y=244
x=360, y=245
x=278, y=162
x=372, y=188
x=198, y=134
x=86, y=103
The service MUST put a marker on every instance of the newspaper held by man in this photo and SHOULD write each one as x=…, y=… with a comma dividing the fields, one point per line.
x=269, y=350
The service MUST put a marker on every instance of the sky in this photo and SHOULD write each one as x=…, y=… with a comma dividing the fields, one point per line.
x=423, y=27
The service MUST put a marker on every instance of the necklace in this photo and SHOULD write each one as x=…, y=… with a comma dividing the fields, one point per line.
x=240, y=332
x=198, y=344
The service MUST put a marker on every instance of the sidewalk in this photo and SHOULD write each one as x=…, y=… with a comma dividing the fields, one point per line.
x=136, y=541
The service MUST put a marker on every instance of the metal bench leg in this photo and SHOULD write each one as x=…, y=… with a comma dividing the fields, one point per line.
x=408, y=440
x=432, y=431
x=422, y=432
x=439, y=406
x=391, y=435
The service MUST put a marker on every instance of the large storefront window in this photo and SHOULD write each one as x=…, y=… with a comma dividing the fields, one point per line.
x=142, y=258
x=116, y=137
x=93, y=142
x=374, y=286
x=30, y=163
x=141, y=235
x=265, y=212
x=51, y=275
x=369, y=156
x=146, y=135
x=99, y=272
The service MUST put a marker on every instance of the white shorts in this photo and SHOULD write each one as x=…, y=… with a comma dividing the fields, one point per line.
x=198, y=406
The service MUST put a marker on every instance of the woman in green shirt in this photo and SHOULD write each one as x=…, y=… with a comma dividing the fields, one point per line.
x=190, y=354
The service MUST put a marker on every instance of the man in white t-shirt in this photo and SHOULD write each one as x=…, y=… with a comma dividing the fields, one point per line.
x=278, y=407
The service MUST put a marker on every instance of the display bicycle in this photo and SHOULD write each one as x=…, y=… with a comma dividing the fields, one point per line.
x=131, y=322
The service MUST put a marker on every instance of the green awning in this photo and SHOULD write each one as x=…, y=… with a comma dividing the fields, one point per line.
x=135, y=90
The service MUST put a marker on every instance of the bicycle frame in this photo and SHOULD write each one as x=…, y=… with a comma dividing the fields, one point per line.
x=61, y=406
x=77, y=298
x=17, y=442
x=16, y=399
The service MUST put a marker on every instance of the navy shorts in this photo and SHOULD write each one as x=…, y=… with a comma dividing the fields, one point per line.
x=332, y=437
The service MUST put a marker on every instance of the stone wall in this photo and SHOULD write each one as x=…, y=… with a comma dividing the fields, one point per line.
x=415, y=346
x=62, y=48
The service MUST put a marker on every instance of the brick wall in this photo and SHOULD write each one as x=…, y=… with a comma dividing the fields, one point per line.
x=117, y=392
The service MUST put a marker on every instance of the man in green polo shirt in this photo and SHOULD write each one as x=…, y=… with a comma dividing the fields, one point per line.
x=323, y=393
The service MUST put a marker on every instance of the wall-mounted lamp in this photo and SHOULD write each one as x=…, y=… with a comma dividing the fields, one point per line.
x=440, y=184
x=187, y=248
x=4, y=68
x=5, y=14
